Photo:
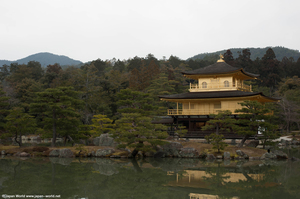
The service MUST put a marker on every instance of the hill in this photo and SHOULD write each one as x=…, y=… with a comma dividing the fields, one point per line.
x=45, y=59
x=280, y=52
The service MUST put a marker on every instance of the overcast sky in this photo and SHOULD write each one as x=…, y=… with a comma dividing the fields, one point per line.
x=91, y=29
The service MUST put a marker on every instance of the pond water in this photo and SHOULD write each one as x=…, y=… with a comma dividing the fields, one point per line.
x=148, y=178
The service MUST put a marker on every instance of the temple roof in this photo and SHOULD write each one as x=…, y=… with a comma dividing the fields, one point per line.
x=218, y=68
x=215, y=94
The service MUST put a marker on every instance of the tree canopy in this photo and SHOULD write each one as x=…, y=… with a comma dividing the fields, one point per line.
x=253, y=117
x=117, y=87
x=57, y=109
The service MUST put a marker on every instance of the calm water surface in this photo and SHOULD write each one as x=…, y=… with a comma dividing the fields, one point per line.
x=150, y=178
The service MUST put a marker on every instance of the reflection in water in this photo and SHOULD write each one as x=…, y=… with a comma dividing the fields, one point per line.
x=150, y=178
x=105, y=167
x=62, y=161
x=199, y=179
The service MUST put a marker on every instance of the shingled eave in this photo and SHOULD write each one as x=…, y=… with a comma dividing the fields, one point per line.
x=215, y=95
x=252, y=75
x=249, y=74
x=271, y=98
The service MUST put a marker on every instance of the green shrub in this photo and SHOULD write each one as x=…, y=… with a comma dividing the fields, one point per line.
x=216, y=141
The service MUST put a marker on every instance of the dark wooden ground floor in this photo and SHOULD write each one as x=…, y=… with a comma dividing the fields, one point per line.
x=194, y=126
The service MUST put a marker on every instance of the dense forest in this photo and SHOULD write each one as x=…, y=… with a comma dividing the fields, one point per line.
x=65, y=102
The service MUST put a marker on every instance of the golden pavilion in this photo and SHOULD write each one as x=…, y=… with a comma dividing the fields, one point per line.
x=219, y=86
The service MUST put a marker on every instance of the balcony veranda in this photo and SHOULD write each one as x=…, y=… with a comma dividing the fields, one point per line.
x=220, y=87
x=196, y=111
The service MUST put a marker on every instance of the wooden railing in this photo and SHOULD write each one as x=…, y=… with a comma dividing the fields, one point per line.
x=244, y=87
x=220, y=86
x=196, y=111
x=175, y=112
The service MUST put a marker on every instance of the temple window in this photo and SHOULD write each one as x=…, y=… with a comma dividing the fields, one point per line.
x=226, y=83
x=204, y=85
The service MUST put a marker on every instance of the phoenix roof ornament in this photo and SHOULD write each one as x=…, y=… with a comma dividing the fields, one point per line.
x=221, y=58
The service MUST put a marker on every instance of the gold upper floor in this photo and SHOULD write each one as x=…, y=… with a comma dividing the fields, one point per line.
x=206, y=84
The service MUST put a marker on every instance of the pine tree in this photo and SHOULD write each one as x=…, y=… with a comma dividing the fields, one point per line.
x=19, y=123
x=217, y=141
x=101, y=124
x=136, y=131
x=268, y=132
x=26, y=92
x=135, y=127
x=161, y=86
x=135, y=102
x=220, y=122
x=254, y=116
x=57, y=108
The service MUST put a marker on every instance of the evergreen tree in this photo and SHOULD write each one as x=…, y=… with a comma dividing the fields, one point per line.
x=120, y=66
x=18, y=124
x=141, y=78
x=135, y=63
x=36, y=70
x=136, y=131
x=181, y=84
x=268, y=132
x=135, y=102
x=144, y=78
x=4, y=105
x=153, y=70
x=174, y=61
x=134, y=79
x=220, y=122
x=88, y=83
x=289, y=105
x=57, y=108
x=135, y=127
x=217, y=141
x=4, y=72
x=243, y=60
x=228, y=58
x=101, y=124
x=150, y=58
x=32, y=70
x=100, y=65
x=118, y=81
x=253, y=116
x=52, y=73
x=270, y=71
x=162, y=86
x=26, y=92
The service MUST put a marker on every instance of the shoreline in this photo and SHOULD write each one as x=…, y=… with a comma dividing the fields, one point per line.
x=178, y=149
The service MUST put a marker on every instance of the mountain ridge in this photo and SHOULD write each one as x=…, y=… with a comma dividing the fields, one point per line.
x=279, y=51
x=45, y=59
